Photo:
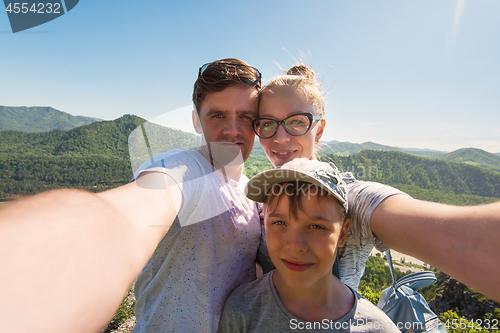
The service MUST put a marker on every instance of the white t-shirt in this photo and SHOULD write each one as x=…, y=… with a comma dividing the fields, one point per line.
x=209, y=250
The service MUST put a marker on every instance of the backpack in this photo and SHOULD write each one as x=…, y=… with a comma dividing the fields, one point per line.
x=405, y=306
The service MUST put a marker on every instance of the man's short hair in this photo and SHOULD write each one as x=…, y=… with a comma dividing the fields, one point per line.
x=221, y=74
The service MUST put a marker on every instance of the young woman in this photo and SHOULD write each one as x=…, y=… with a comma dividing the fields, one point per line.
x=460, y=241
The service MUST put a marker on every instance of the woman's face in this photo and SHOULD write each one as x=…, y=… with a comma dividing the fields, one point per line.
x=278, y=103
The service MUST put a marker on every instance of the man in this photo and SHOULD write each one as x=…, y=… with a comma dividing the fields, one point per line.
x=211, y=247
x=185, y=217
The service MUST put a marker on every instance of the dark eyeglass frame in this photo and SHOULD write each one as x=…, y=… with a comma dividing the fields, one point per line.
x=224, y=70
x=279, y=122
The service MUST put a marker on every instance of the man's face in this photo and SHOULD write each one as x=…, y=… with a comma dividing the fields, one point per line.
x=226, y=120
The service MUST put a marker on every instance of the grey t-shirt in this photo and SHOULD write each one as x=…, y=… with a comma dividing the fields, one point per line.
x=364, y=198
x=208, y=251
x=256, y=307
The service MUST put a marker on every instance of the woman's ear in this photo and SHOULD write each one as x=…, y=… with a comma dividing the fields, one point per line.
x=196, y=122
x=343, y=232
x=321, y=129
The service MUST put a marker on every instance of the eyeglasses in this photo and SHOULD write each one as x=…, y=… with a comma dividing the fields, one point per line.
x=215, y=72
x=296, y=125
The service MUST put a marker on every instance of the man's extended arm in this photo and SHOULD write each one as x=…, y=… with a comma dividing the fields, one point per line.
x=67, y=257
x=460, y=241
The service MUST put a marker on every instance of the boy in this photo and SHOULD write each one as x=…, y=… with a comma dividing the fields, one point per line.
x=305, y=205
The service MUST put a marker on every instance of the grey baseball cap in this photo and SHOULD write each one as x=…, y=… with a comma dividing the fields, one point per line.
x=324, y=175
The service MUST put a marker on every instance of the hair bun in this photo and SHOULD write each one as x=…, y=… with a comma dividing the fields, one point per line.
x=301, y=70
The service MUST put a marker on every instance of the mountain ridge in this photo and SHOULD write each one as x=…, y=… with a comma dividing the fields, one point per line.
x=44, y=119
x=472, y=156
x=349, y=148
x=93, y=157
x=39, y=119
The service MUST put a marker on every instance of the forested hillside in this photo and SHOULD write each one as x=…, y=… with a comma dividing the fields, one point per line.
x=424, y=178
x=94, y=157
x=349, y=148
x=39, y=119
x=473, y=156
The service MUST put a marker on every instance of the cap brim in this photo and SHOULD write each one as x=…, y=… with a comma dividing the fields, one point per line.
x=258, y=187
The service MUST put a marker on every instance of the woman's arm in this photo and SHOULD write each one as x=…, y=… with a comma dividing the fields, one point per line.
x=463, y=242
x=67, y=257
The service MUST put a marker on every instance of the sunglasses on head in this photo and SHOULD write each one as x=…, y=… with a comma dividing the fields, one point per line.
x=296, y=125
x=215, y=72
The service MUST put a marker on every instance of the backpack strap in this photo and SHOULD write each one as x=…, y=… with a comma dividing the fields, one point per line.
x=417, y=280
x=389, y=260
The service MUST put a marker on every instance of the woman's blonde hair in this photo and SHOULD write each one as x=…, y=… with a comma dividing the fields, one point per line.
x=302, y=78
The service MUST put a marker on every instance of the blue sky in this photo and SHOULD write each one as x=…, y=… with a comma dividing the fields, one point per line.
x=422, y=74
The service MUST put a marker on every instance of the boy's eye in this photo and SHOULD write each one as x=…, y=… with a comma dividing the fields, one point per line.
x=278, y=223
x=317, y=226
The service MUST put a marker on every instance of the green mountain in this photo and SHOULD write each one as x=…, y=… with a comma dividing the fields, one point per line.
x=93, y=157
x=424, y=178
x=473, y=156
x=39, y=119
x=348, y=148
x=96, y=157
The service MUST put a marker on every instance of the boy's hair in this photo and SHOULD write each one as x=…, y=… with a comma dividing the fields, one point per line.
x=295, y=190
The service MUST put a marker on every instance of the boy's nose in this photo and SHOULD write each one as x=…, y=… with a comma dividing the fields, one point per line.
x=296, y=241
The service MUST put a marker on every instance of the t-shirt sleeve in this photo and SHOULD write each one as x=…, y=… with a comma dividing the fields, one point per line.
x=228, y=323
x=195, y=182
x=363, y=198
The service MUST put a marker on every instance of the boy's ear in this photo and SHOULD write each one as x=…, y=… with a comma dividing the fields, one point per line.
x=196, y=122
x=343, y=232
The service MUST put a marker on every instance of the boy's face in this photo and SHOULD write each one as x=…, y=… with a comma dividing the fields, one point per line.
x=304, y=249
